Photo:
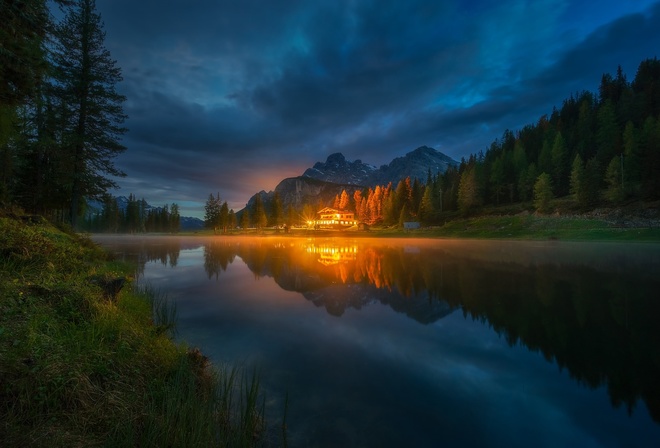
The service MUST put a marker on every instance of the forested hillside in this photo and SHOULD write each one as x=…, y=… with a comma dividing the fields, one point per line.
x=597, y=149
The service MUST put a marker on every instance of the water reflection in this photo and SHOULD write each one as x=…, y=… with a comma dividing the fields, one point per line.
x=593, y=312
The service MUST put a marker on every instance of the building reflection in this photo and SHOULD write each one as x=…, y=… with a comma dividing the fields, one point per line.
x=593, y=313
x=330, y=254
x=593, y=317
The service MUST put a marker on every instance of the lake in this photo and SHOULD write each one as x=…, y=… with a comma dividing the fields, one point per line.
x=426, y=343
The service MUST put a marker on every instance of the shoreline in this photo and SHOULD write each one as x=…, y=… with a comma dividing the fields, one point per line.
x=89, y=360
x=525, y=227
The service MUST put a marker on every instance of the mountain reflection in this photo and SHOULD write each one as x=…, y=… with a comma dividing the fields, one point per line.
x=592, y=309
x=594, y=315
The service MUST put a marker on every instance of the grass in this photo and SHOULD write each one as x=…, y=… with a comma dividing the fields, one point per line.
x=628, y=221
x=79, y=367
x=521, y=226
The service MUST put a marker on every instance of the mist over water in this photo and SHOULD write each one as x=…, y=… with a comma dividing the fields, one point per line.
x=426, y=342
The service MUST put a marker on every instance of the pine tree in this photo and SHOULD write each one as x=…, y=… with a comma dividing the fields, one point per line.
x=22, y=56
x=245, y=219
x=223, y=217
x=559, y=165
x=357, y=201
x=426, y=209
x=592, y=181
x=608, y=134
x=526, y=182
x=497, y=178
x=404, y=216
x=277, y=215
x=291, y=216
x=545, y=158
x=468, y=193
x=577, y=180
x=85, y=79
x=212, y=212
x=651, y=158
x=631, y=150
x=543, y=192
x=110, y=215
x=132, y=214
x=335, y=203
x=344, y=200
x=233, y=222
x=8, y=136
x=613, y=178
x=175, y=219
x=259, y=217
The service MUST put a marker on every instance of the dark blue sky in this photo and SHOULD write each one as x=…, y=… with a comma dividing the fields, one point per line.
x=232, y=96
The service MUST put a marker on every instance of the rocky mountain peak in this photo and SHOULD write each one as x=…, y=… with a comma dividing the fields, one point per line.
x=338, y=170
x=337, y=159
x=325, y=180
x=415, y=164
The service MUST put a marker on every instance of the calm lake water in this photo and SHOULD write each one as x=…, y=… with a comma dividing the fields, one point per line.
x=426, y=343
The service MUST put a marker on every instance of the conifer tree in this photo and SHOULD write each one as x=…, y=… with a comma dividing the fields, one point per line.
x=223, y=217
x=175, y=219
x=543, y=192
x=559, y=165
x=277, y=215
x=577, y=180
x=631, y=150
x=212, y=212
x=357, y=201
x=291, y=216
x=607, y=135
x=426, y=209
x=85, y=79
x=404, y=216
x=259, y=217
x=468, y=194
x=22, y=55
x=245, y=219
x=343, y=200
x=497, y=179
x=233, y=222
x=613, y=178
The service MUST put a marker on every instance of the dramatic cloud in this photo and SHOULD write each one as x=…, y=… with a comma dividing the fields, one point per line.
x=231, y=97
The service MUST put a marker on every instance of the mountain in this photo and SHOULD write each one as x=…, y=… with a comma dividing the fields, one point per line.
x=415, y=164
x=301, y=190
x=191, y=223
x=337, y=170
x=325, y=180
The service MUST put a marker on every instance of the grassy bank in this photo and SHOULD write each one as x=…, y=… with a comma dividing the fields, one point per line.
x=523, y=226
x=83, y=363
x=531, y=227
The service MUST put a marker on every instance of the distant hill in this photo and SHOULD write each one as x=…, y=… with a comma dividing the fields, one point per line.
x=322, y=182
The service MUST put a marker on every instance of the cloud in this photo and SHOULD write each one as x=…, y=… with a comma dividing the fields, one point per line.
x=233, y=96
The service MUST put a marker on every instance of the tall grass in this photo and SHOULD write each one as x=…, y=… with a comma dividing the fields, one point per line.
x=78, y=369
x=181, y=412
x=163, y=311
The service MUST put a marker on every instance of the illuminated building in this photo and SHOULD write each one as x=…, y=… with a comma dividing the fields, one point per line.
x=330, y=218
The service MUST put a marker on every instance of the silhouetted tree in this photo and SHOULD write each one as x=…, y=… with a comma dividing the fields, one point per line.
x=85, y=79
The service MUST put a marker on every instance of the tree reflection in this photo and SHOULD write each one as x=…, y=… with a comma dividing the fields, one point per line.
x=598, y=322
x=592, y=311
x=217, y=256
